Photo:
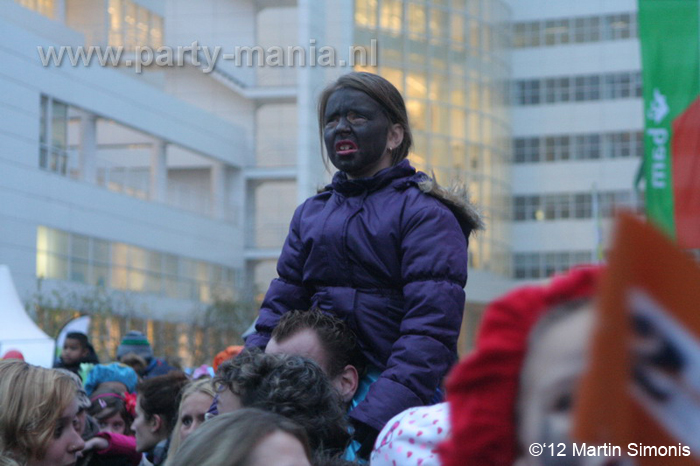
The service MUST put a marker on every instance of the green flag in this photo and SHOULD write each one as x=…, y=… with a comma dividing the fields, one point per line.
x=668, y=31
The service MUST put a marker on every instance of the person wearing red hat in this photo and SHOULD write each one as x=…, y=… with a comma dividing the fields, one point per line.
x=517, y=385
x=13, y=354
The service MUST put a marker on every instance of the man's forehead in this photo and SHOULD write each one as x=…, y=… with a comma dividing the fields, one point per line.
x=304, y=343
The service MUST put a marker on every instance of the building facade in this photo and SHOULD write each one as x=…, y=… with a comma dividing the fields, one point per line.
x=175, y=184
x=577, y=119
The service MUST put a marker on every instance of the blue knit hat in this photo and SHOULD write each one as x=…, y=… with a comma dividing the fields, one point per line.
x=137, y=343
x=113, y=372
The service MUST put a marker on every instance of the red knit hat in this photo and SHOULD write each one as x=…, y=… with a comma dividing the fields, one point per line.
x=483, y=388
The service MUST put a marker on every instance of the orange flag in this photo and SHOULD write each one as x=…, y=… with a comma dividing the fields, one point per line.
x=642, y=388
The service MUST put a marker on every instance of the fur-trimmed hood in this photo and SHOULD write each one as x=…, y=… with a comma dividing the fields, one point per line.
x=456, y=198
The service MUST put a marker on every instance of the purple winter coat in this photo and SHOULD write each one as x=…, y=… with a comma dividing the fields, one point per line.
x=390, y=259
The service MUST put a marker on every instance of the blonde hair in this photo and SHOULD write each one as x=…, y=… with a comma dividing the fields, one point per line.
x=32, y=400
x=229, y=439
x=203, y=386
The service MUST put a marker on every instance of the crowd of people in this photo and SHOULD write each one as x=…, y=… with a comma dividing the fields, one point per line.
x=290, y=404
x=353, y=345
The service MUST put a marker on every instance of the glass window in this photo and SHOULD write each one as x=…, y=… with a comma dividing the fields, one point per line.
x=417, y=85
x=556, y=32
x=57, y=241
x=582, y=205
x=439, y=23
x=458, y=122
x=142, y=26
x=65, y=256
x=587, y=29
x=100, y=275
x=638, y=148
x=120, y=254
x=552, y=263
x=137, y=258
x=80, y=247
x=587, y=88
x=557, y=148
x=533, y=207
x=417, y=114
x=366, y=13
x=43, y=7
x=119, y=277
x=526, y=34
x=457, y=22
x=57, y=267
x=390, y=15
x=100, y=250
x=474, y=39
x=564, y=206
x=587, y=146
x=526, y=150
x=618, y=86
x=519, y=208
x=170, y=264
x=557, y=90
x=116, y=15
x=129, y=24
x=519, y=266
x=550, y=207
x=156, y=32
x=440, y=119
x=527, y=92
x=534, y=266
x=153, y=262
x=618, y=27
x=637, y=83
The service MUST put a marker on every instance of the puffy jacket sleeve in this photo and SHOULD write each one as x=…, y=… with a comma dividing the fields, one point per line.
x=119, y=444
x=286, y=292
x=434, y=273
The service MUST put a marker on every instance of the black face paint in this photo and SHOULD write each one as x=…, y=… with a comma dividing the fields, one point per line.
x=355, y=133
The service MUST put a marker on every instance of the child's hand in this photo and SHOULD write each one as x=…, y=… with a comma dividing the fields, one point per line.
x=96, y=443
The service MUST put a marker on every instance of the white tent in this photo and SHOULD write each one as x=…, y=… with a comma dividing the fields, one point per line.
x=18, y=331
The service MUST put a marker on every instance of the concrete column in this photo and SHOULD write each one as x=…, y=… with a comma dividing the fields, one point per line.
x=88, y=148
x=249, y=215
x=158, y=190
x=250, y=242
x=218, y=190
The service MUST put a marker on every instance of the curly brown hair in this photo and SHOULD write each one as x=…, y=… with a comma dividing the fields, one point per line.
x=292, y=386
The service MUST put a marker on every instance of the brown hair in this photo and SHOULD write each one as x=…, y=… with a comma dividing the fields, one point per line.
x=212, y=445
x=105, y=403
x=32, y=400
x=292, y=386
x=384, y=93
x=339, y=342
x=161, y=395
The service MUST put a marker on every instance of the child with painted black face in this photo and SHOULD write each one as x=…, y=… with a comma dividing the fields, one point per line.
x=383, y=247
